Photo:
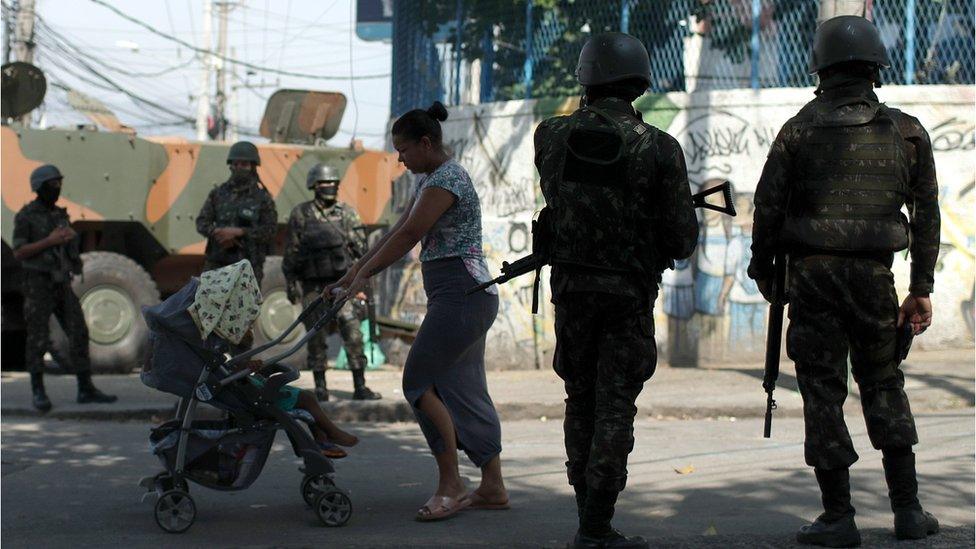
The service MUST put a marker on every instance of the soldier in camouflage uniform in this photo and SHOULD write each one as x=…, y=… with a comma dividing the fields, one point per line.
x=47, y=248
x=324, y=238
x=238, y=217
x=619, y=211
x=831, y=196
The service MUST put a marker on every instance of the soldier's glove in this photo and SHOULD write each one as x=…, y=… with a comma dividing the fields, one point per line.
x=294, y=293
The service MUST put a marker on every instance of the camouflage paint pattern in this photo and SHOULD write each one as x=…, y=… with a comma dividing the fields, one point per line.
x=160, y=183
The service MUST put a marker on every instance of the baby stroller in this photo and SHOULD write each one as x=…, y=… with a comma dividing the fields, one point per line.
x=227, y=454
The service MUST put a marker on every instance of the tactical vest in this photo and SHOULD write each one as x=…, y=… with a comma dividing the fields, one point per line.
x=244, y=211
x=852, y=182
x=589, y=220
x=238, y=213
x=58, y=261
x=323, y=247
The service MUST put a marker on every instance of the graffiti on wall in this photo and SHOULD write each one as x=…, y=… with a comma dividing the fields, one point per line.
x=708, y=309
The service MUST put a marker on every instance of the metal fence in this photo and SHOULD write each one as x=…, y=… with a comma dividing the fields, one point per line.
x=469, y=51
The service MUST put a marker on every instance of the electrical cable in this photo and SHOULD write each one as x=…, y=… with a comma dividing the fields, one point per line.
x=281, y=51
x=352, y=76
x=58, y=84
x=135, y=97
x=227, y=59
x=60, y=50
x=65, y=44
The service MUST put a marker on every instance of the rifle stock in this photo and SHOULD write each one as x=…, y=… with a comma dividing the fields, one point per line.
x=774, y=339
x=534, y=262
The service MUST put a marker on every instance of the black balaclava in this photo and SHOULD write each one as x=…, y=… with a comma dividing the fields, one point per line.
x=49, y=193
x=241, y=175
x=327, y=195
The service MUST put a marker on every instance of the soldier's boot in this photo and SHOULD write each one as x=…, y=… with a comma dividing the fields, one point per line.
x=321, y=391
x=911, y=521
x=360, y=390
x=835, y=527
x=595, y=531
x=41, y=402
x=88, y=393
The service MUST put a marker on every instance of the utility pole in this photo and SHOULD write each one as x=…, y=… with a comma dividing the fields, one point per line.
x=23, y=47
x=233, y=109
x=203, y=98
x=220, y=101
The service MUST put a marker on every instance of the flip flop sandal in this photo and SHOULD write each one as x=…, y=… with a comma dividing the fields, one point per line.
x=332, y=451
x=479, y=503
x=441, y=507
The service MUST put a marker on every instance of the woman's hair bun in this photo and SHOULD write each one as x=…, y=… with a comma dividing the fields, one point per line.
x=437, y=111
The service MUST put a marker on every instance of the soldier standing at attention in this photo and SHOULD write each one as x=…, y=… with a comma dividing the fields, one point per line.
x=618, y=212
x=239, y=217
x=47, y=248
x=324, y=239
x=830, y=196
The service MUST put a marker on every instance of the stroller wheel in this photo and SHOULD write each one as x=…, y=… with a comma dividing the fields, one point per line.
x=334, y=507
x=313, y=486
x=175, y=511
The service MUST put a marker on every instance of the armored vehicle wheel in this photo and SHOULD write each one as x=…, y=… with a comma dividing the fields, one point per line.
x=334, y=507
x=277, y=313
x=313, y=486
x=175, y=511
x=112, y=290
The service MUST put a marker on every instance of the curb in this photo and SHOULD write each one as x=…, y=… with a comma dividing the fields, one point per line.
x=378, y=412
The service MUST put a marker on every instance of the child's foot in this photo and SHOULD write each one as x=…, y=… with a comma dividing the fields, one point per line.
x=343, y=438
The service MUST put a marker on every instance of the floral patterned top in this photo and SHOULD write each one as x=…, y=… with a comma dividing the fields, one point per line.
x=458, y=231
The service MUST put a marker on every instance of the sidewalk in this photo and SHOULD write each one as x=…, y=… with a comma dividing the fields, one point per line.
x=935, y=381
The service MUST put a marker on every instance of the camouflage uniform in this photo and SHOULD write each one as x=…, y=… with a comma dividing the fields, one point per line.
x=47, y=287
x=841, y=243
x=605, y=348
x=299, y=265
x=247, y=205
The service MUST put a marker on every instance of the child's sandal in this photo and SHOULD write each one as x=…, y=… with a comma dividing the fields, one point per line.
x=332, y=451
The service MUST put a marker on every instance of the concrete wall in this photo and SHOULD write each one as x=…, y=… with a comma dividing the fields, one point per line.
x=708, y=309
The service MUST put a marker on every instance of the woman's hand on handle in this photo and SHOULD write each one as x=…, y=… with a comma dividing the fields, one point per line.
x=342, y=283
x=354, y=287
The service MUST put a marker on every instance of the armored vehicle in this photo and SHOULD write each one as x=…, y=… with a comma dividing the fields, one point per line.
x=133, y=200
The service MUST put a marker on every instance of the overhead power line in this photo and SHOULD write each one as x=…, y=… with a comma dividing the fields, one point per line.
x=227, y=59
x=118, y=87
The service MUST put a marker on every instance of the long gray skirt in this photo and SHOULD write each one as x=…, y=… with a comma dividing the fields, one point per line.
x=449, y=355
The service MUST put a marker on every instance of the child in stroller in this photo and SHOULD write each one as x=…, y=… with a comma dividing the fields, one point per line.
x=190, y=334
x=329, y=436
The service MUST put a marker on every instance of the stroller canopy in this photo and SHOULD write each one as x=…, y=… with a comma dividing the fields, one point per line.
x=177, y=354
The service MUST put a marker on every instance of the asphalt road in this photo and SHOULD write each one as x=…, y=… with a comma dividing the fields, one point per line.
x=693, y=483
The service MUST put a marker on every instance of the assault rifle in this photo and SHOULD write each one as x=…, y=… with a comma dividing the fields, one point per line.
x=774, y=337
x=536, y=261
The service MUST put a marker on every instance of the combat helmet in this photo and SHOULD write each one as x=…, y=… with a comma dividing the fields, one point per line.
x=847, y=38
x=244, y=150
x=321, y=172
x=42, y=174
x=612, y=57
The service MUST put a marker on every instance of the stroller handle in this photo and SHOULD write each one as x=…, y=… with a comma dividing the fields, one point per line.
x=319, y=324
x=261, y=348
